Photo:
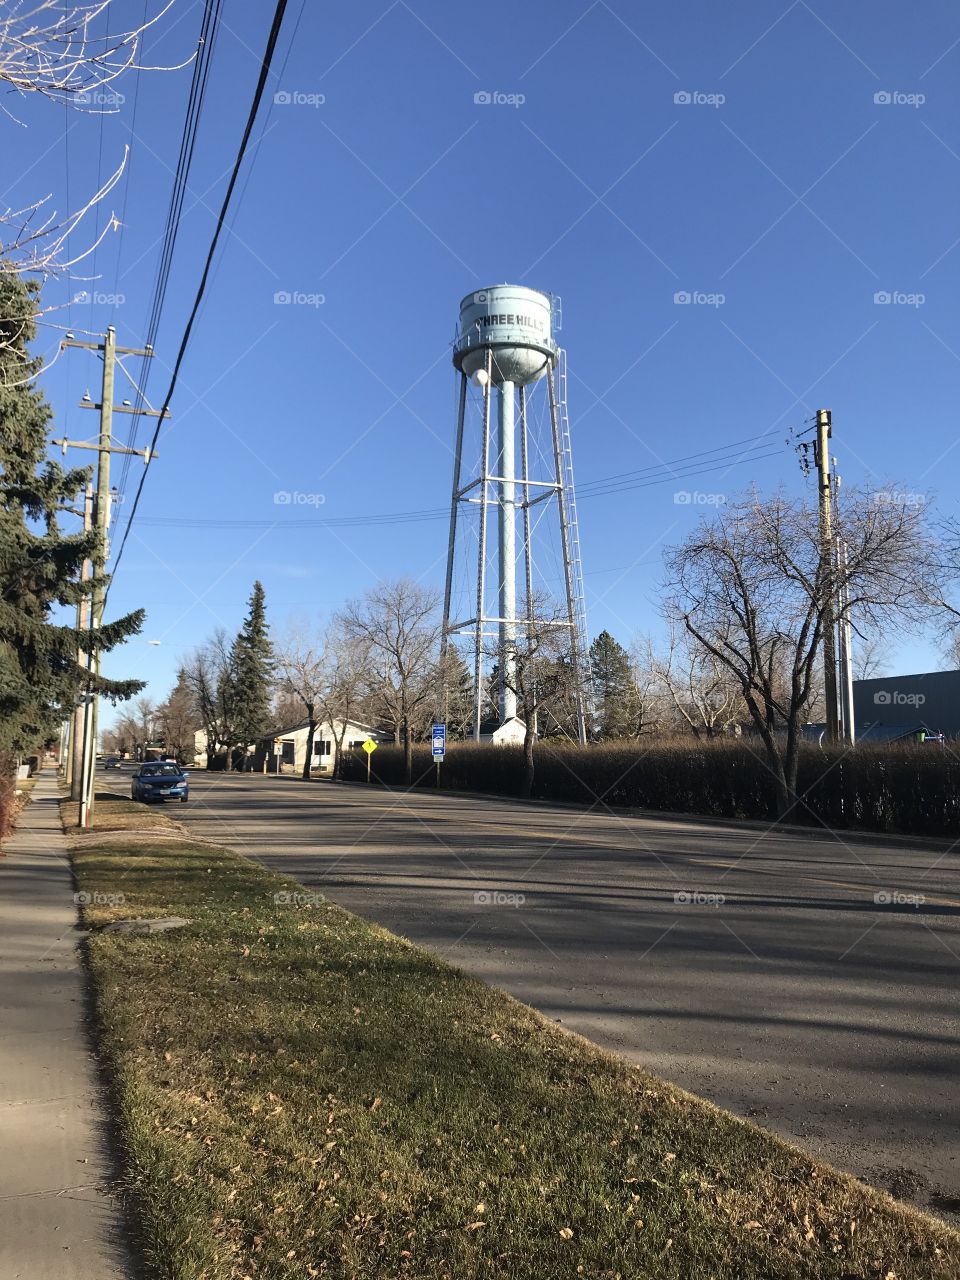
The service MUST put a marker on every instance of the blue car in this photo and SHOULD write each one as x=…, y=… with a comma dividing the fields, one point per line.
x=159, y=780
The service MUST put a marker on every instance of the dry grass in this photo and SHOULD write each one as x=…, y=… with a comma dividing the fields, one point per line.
x=302, y=1094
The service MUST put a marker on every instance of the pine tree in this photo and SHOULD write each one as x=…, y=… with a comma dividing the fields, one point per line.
x=614, y=689
x=40, y=676
x=251, y=673
x=459, y=695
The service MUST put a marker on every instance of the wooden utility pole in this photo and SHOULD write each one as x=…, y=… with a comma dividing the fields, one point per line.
x=827, y=575
x=104, y=447
x=75, y=754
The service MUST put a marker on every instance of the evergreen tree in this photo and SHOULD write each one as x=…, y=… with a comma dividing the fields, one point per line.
x=458, y=680
x=616, y=709
x=40, y=676
x=251, y=674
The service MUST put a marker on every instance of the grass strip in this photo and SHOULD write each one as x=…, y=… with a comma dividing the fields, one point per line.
x=303, y=1094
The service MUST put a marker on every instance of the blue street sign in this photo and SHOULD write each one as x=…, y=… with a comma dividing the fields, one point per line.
x=438, y=739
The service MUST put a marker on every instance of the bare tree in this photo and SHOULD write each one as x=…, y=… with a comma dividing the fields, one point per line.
x=63, y=51
x=750, y=587
x=702, y=690
x=302, y=667
x=347, y=671
x=67, y=53
x=125, y=735
x=397, y=625
x=871, y=657
x=544, y=676
x=179, y=720
x=208, y=676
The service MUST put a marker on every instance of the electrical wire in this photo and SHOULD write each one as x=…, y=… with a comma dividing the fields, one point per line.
x=437, y=513
x=263, y=131
x=96, y=213
x=266, y=61
x=209, y=26
x=126, y=185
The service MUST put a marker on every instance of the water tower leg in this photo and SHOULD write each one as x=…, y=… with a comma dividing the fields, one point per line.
x=527, y=544
x=482, y=556
x=451, y=551
x=508, y=555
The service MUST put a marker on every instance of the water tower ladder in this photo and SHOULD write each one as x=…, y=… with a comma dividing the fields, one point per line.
x=573, y=528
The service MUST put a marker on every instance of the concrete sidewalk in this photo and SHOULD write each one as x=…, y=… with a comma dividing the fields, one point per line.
x=57, y=1218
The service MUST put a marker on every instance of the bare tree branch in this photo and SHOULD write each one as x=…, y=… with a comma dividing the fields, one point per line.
x=60, y=52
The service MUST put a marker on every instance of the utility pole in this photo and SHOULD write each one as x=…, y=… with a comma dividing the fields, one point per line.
x=829, y=625
x=75, y=755
x=844, y=631
x=846, y=650
x=103, y=447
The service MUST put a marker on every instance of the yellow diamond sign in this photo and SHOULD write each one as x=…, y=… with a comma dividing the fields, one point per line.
x=369, y=746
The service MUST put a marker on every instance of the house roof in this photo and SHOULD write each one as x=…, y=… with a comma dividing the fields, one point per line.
x=305, y=724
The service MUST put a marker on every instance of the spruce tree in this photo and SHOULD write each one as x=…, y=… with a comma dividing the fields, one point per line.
x=614, y=690
x=251, y=673
x=40, y=676
x=459, y=695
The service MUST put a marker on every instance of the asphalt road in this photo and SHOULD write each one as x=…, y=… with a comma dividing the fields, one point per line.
x=758, y=970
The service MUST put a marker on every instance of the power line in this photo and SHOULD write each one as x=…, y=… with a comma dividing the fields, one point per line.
x=209, y=26
x=263, y=130
x=96, y=214
x=221, y=217
x=436, y=513
x=126, y=185
x=752, y=441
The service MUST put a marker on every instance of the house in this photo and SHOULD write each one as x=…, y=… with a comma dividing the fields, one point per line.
x=284, y=750
x=509, y=734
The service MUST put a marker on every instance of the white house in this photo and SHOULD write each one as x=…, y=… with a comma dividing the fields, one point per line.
x=292, y=744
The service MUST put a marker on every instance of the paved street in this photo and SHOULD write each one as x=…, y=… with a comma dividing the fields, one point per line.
x=794, y=998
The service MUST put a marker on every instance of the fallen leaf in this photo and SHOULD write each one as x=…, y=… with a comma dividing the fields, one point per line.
x=475, y=1225
x=566, y=1233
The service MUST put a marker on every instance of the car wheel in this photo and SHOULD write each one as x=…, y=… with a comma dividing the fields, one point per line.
x=184, y=799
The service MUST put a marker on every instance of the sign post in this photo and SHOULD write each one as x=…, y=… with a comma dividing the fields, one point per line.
x=438, y=746
x=369, y=747
x=278, y=752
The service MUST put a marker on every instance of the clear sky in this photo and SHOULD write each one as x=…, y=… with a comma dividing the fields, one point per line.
x=784, y=163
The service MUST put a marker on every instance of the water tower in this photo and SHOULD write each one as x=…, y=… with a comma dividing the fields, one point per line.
x=505, y=350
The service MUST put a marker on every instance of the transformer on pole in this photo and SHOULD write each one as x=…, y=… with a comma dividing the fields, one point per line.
x=505, y=351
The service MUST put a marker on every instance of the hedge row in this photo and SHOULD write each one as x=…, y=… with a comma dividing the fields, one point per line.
x=910, y=789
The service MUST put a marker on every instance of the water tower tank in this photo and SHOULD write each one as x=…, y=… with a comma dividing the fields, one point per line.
x=511, y=322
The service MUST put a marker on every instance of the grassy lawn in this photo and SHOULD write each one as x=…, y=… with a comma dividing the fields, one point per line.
x=302, y=1094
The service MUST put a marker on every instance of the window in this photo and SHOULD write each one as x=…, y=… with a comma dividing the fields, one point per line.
x=357, y=742
x=325, y=748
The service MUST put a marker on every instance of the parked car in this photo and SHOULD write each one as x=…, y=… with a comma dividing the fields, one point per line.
x=159, y=780
x=112, y=762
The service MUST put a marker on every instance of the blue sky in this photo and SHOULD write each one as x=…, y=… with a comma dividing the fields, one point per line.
x=783, y=185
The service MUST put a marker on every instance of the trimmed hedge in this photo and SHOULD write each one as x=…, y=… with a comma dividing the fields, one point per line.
x=910, y=789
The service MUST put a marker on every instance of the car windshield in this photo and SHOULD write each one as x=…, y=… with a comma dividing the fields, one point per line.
x=161, y=770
